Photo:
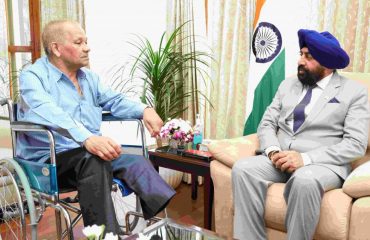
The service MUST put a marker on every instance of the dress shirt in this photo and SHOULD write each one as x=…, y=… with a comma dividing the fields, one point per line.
x=48, y=97
x=316, y=93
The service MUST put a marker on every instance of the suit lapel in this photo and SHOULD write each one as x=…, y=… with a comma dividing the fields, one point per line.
x=294, y=97
x=329, y=92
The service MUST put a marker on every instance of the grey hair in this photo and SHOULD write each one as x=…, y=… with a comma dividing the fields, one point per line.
x=54, y=31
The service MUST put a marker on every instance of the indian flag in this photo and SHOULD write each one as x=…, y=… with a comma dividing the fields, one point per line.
x=275, y=52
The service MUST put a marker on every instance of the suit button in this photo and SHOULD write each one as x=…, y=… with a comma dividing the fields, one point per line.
x=293, y=138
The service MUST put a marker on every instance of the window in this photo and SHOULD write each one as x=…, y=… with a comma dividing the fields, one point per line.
x=19, y=42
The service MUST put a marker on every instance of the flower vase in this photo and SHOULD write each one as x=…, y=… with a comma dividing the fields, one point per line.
x=176, y=146
x=180, y=148
x=172, y=146
x=173, y=143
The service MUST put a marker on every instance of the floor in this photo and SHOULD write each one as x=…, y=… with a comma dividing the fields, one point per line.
x=181, y=208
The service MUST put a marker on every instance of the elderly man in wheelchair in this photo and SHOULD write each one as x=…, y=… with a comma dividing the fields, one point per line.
x=59, y=93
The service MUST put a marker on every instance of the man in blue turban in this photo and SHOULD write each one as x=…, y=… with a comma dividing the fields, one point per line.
x=315, y=126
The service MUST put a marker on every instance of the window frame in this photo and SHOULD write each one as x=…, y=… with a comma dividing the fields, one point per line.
x=35, y=44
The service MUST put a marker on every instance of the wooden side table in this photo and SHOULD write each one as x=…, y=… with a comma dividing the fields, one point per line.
x=194, y=166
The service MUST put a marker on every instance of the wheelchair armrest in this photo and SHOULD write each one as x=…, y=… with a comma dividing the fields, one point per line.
x=19, y=126
x=108, y=117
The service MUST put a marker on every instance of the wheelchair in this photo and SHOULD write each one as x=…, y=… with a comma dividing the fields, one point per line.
x=28, y=188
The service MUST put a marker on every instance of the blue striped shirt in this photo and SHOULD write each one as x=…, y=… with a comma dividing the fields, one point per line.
x=48, y=97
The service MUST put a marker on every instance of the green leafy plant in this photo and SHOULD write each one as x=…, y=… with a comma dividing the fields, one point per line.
x=163, y=72
x=8, y=79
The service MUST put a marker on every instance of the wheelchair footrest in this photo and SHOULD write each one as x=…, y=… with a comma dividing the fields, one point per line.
x=137, y=214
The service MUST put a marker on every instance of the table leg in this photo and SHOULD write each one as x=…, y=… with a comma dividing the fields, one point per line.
x=194, y=186
x=208, y=202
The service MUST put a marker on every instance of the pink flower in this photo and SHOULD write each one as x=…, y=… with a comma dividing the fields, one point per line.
x=177, y=129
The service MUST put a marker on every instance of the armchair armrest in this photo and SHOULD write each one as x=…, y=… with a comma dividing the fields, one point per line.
x=357, y=183
x=228, y=151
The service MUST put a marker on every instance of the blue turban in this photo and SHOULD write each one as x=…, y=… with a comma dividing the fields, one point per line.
x=324, y=48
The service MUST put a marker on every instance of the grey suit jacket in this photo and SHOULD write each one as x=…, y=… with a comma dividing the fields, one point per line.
x=334, y=132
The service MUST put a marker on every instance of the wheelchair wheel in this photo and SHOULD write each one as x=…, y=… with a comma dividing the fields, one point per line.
x=124, y=204
x=15, y=201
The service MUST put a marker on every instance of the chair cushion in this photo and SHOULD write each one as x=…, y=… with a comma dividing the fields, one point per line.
x=357, y=183
x=223, y=199
x=334, y=218
x=360, y=218
x=335, y=214
x=228, y=151
x=275, y=207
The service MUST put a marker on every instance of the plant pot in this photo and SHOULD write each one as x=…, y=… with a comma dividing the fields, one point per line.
x=171, y=177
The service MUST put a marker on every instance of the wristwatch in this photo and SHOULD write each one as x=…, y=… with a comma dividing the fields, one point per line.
x=272, y=153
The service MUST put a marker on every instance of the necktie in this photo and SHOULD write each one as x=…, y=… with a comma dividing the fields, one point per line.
x=298, y=113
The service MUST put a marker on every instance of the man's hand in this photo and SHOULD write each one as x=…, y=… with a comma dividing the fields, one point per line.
x=287, y=160
x=104, y=147
x=152, y=121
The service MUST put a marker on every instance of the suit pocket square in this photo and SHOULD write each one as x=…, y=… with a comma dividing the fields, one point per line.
x=333, y=100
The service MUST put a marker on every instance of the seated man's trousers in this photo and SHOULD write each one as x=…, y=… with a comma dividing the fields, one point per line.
x=92, y=177
x=303, y=192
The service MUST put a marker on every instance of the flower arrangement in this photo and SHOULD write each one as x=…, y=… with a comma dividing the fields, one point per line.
x=179, y=130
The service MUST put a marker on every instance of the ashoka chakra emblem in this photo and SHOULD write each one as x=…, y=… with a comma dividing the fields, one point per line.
x=266, y=42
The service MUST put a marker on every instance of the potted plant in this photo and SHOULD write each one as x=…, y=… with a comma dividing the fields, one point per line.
x=163, y=71
x=162, y=74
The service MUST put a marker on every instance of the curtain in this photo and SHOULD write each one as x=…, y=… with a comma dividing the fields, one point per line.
x=192, y=12
x=62, y=9
x=230, y=23
x=348, y=20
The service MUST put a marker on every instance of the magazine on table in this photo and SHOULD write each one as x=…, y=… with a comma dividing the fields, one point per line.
x=207, y=156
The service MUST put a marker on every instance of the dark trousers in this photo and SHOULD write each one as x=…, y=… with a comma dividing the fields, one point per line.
x=92, y=177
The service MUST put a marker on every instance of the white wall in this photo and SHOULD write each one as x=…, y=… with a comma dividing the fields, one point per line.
x=109, y=25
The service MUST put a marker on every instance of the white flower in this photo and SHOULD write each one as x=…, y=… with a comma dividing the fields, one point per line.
x=110, y=236
x=143, y=237
x=93, y=232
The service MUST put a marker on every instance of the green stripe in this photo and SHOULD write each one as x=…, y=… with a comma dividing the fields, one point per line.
x=264, y=92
